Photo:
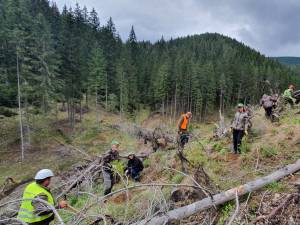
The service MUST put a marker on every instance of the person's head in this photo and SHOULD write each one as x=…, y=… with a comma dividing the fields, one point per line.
x=115, y=145
x=44, y=182
x=292, y=87
x=131, y=155
x=43, y=177
x=189, y=115
x=240, y=107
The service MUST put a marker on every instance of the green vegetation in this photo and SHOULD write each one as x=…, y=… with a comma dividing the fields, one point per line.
x=275, y=187
x=291, y=61
x=268, y=151
x=177, y=178
x=78, y=79
x=82, y=60
x=226, y=211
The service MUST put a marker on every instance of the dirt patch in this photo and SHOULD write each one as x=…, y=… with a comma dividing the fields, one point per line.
x=125, y=196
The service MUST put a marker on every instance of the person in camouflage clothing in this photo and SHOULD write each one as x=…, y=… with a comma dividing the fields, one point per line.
x=239, y=127
x=109, y=157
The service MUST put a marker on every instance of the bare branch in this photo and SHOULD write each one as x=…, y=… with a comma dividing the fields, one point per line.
x=237, y=209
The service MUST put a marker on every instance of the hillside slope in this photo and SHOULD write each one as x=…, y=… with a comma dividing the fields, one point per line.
x=268, y=147
x=82, y=57
x=288, y=60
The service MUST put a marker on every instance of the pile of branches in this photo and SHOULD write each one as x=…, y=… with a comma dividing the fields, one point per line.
x=83, y=178
x=159, y=138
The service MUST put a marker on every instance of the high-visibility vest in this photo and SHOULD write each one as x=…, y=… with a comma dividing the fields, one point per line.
x=184, y=123
x=26, y=211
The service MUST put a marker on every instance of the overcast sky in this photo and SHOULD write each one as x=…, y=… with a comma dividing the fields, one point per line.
x=270, y=26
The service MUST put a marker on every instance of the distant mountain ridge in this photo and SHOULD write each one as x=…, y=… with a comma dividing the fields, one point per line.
x=288, y=60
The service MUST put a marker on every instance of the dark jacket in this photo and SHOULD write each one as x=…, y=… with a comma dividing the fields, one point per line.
x=108, y=158
x=135, y=164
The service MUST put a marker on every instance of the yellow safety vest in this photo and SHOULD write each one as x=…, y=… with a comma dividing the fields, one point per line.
x=26, y=211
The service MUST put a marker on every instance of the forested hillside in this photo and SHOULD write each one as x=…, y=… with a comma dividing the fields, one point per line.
x=71, y=56
x=290, y=61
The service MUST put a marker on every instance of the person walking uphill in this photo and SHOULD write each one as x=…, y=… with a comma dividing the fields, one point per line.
x=113, y=154
x=183, y=129
x=35, y=212
x=268, y=103
x=239, y=126
x=288, y=95
x=134, y=167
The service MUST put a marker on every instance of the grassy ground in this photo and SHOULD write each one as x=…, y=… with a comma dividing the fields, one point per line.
x=268, y=147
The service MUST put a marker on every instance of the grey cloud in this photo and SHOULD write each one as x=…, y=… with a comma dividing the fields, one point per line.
x=271, y=26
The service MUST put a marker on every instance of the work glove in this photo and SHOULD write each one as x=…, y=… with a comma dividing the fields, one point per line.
x=179, y=132
x=246, y=132
x=62, y=204
x=126, y=172
x=230, y=129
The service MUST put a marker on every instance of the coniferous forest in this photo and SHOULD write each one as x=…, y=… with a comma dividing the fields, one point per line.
x=68, y=56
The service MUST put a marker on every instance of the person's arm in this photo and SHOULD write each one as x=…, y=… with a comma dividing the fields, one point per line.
x=231, y=123
x=106, y=159
x=246, y=121
x=106, y=162
x=41, y=209
x=141, y=165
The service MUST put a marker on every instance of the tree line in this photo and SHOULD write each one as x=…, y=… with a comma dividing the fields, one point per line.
x=73, y=58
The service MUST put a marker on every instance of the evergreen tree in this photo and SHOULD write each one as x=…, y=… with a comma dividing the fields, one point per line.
x=67, y=56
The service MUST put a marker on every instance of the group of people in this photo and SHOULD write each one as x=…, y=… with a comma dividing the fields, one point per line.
x=133, y=169
x=239, y=127
x=34, y=211
x=270, y=102
x=241, y=123
x=38, y=202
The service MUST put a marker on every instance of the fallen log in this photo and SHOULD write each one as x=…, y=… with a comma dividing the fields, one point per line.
x=95, y=165
x=188, y=210
x=10, y=185
x=157, y=137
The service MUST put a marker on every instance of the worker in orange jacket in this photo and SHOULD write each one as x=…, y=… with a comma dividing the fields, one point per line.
x=183, y=123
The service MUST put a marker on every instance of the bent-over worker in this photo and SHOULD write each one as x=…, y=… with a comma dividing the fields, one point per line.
x=134, y=167
x=289, y=96
x=34, y=212
x=111, y=155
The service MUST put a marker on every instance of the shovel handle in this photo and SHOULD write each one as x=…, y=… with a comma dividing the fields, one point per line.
x=73, y=209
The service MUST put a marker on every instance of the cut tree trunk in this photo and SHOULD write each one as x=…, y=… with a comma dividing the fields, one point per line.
x=188, y=210
x=20, y=110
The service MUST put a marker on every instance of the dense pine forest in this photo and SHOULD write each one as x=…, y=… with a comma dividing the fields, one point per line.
x=68, y=56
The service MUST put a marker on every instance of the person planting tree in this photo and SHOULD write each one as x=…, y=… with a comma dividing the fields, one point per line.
x=110, y=156
x=134, y=167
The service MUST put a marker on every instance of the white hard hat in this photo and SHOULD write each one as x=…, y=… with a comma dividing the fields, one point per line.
x=43, y=174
